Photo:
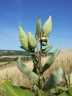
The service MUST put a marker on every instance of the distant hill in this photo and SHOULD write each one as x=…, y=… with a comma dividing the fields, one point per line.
x=13, y=52
x=16, y=52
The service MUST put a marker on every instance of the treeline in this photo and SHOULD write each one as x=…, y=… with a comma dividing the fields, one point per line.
x=7, y=59
x=12, y=52
x=25, y=58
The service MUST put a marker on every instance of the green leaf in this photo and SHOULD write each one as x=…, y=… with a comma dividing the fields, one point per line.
x=70, y=77
x=66, y=78
x=2, y=95
x=24, y=69
x=53, y=90
x=57, y=89
x=46, y=49
x=67, y=93
x=64, y=94
x=62, y=88
x=45, y=43
x=51, y=59
x=47, y=26
x=54, y=79
x=38, y=28
x=15, y=90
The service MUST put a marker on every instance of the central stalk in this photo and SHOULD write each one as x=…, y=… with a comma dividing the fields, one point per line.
x=40, y=63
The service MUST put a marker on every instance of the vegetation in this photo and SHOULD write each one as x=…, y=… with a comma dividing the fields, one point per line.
x=13, y=52
x=18, y=79
x=5, y=59
x=53, y=85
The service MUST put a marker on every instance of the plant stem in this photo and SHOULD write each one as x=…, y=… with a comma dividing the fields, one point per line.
x=40, y=64
x=37, y=48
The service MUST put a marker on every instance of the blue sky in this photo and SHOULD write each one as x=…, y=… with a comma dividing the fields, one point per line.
x=26, y=12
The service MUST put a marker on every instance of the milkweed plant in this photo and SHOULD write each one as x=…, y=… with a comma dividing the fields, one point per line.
x=30, y=44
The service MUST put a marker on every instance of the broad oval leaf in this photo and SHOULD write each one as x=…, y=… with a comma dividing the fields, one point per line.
x=51, y=59
x=62, y=88
x=55, y=79
x=15, y=90
x=24, y=69
x=46, y=49
x=67, y=93
x=45, y=43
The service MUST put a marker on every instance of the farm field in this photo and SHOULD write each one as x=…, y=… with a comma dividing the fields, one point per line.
x=13, y=74
x=13, y=56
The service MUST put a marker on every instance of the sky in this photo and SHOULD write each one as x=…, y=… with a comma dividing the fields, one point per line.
x=15, y=13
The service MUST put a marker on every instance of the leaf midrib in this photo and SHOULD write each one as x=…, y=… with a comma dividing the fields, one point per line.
x=10, y=89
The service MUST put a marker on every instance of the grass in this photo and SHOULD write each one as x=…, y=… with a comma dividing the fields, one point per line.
x=14, y=56
x=13, y=74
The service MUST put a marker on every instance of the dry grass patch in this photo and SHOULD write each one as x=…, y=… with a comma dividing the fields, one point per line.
x=13, y=74
x=64, y=59
x=3, y=63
